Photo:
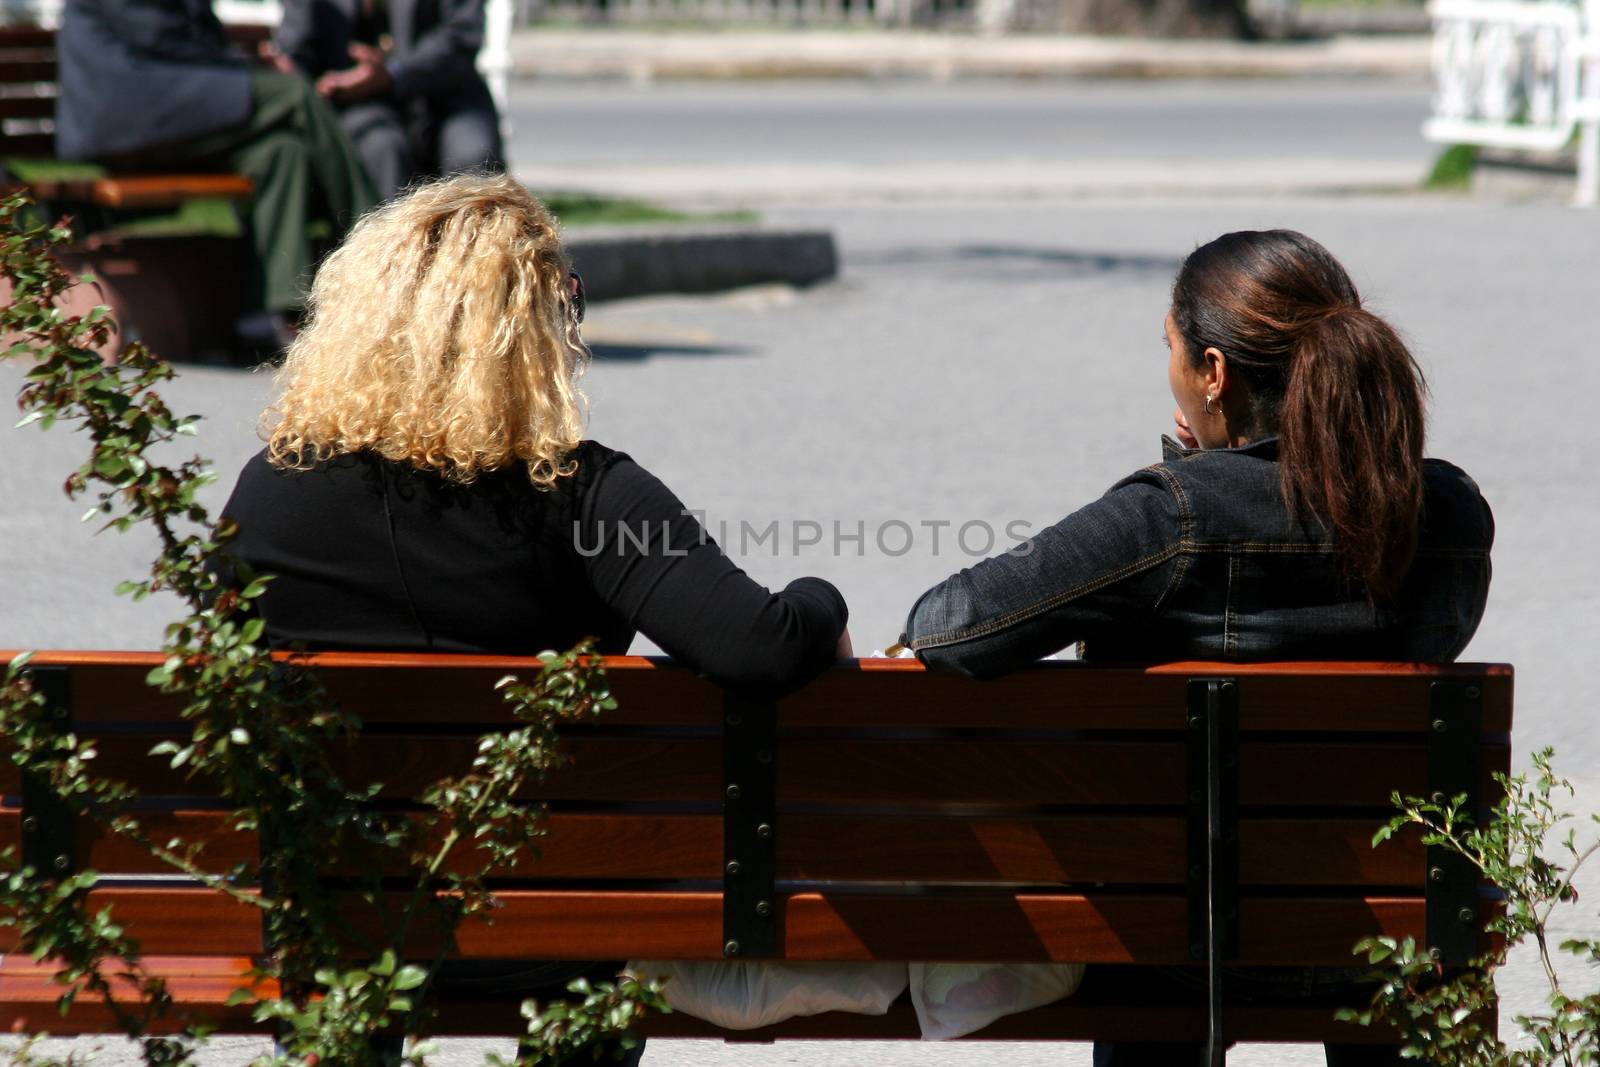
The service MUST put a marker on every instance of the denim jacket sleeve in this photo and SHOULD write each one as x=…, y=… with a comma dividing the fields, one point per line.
x=1107, y=565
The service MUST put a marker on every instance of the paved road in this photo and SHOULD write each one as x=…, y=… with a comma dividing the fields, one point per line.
x=1002, y=362
x=803, y=141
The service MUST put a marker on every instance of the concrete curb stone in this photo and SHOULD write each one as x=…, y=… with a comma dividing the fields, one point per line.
x=609, y=54
x=622, y=263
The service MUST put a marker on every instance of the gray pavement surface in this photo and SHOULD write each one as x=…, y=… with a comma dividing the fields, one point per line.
x=810, y=141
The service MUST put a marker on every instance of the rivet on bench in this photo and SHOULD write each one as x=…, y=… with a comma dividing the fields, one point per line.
x=734, y=792
x=1473, y=692
x=763, y=908
x=764, y=831
x=733, y=868
x=30, y=825
x=763, y=756
x=731, y=948
x=1440, y=726
x=63, y=862
x=1467, y=915
x=1436, y=874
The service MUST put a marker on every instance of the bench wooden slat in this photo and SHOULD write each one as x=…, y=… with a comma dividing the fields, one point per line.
x=935, y=925
x=200, y=987
x=1038, y=850
x=26, y=107
x=394, y=688
x=161, y=190
x=27, y=37
x=27, y=67
x=849, y=771
x=28, y=144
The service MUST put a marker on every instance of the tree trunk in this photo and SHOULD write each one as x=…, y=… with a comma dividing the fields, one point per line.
x=1152, y=18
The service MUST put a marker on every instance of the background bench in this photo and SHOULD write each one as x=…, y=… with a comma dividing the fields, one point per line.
x=27, y=138
x=1189, y=813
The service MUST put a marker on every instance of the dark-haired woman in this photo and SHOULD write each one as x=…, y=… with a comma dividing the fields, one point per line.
x=1297, y=519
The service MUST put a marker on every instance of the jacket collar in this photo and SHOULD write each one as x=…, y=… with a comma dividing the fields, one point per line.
x=1262, y=447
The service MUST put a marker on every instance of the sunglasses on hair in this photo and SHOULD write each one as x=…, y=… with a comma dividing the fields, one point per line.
x=579, y=302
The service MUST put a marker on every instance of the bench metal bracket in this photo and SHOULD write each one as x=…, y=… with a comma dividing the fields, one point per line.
x=49, y=826
x=1455, y=732
x=1213, y=791
x=749, y=827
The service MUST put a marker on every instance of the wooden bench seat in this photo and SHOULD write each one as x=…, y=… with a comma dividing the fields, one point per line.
x=27, y=139
x=1069, y=813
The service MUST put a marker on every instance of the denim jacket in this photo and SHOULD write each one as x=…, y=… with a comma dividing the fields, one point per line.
x=1198, y=557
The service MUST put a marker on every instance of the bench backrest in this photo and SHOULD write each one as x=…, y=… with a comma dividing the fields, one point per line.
x=28, y=85
x=27, y=91
x=1069, y=812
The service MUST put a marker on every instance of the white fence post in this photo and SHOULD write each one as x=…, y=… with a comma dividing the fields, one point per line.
x=1588, y=108
x=1519, y=74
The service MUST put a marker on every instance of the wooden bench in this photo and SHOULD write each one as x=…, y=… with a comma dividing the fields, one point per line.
x=1182, y=814
x=27, y=134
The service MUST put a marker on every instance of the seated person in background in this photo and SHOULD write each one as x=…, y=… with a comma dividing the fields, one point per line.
x=1299, y=520
x=403, y=75
x=155, y=84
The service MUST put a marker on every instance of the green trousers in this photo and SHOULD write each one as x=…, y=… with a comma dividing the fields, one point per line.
x=304, y=169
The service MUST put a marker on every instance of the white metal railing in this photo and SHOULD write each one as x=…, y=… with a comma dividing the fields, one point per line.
x=1520, y=74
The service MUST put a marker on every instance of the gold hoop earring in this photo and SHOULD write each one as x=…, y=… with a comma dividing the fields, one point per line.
x=1209, y=401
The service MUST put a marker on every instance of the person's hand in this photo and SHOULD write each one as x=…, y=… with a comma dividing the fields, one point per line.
x=845, y=650
x=269, y=55
x=1186, y=436
x=369, y=77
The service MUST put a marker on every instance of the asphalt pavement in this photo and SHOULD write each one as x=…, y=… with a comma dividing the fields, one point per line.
x=844, y=141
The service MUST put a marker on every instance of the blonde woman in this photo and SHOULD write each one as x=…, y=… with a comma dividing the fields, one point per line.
x=426, y=486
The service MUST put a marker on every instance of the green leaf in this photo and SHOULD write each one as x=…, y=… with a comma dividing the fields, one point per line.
x=410, y=977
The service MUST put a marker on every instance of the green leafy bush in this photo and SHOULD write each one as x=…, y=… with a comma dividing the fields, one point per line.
x=1531, y=852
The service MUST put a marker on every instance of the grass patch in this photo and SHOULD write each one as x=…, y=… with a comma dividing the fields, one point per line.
x=580, y=209
x=1453, y=170
x=37, y=169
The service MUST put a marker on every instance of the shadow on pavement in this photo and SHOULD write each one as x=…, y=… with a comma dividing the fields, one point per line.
x=1074, y=261
x=633, y=353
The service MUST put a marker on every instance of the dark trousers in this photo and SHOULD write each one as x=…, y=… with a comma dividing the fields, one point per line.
x=303, y=167
x=399, y=143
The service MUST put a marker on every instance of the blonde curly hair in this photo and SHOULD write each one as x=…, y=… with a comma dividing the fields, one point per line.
x=441, y=334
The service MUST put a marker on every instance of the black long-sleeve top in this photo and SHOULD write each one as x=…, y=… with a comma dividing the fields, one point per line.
x=374, y=555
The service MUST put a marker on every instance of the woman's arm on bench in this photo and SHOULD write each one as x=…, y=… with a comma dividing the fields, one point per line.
x=1108, y=564
x=653, y=563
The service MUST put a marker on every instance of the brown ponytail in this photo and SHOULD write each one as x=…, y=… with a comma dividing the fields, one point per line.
x=1332, y=379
